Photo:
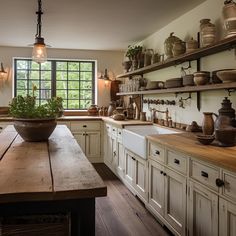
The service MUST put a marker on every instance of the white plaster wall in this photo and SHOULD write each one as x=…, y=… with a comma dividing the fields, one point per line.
x=112, y=60
x=186, y=27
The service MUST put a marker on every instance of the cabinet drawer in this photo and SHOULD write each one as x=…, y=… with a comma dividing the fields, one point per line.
x=78, y=126
x=229, y=188
x=177, y=161
x=204, y=174
x=156, y=152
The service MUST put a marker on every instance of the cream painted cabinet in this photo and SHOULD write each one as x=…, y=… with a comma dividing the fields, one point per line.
x=227, y=218
x=136, y=174
x=167, y=195
x=202, y=211
x=88, y=135
x=156, y=187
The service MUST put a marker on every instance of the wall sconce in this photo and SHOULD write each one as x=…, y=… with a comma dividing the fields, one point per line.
x=3, y=73
x=106, y=78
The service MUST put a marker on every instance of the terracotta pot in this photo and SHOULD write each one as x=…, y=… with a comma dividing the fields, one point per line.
x=35, y=130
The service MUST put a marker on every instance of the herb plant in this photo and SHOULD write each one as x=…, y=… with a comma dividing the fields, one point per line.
x=25, y=107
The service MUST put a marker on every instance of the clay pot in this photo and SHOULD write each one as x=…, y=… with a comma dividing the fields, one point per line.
x=148, y=55
x=35, y=130
x=229, y=16
x=93, y=110
x=226, y=136
x=179, y=48
x=191, y=45
x=168, y=45
x=201, y=77
x=208, y=123
x=207, y=32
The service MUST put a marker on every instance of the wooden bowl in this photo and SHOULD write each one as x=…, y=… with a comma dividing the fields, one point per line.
x=205, y=139
x=227, y=76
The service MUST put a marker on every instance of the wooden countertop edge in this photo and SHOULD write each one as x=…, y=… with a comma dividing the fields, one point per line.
x=219, y=163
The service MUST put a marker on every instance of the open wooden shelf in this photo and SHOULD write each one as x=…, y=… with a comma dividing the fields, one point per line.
x=186, y=89
x=220, y=46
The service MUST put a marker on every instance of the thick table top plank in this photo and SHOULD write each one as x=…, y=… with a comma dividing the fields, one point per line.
x=73, y=175
x=35, y=171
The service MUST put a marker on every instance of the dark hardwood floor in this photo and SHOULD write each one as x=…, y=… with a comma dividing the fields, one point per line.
x=121, y=213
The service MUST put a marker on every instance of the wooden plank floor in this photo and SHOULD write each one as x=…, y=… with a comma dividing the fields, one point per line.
x=121, y=213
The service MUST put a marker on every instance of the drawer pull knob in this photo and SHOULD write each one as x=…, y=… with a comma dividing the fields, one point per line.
x=84, y=126
x=133, y=158
x=219, y=182
x=176, y=161
x=157, y=152
x=161, y=172
x=119, y=132
x=164, y=174
x=204, y=174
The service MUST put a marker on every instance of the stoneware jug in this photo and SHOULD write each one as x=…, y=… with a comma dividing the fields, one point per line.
x=208, y=123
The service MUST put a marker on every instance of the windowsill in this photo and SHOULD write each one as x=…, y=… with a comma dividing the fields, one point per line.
x=75, y=113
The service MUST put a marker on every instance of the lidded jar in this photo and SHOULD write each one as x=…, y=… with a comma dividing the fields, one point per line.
x=207, y=32
x=229, y=16
x=191, y=45
x=226, y=109
x=168, y=45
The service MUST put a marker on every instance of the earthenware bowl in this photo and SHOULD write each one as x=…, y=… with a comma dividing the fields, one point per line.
x=205, y=139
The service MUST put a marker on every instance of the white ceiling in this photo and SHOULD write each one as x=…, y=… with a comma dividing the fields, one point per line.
x=88, y=24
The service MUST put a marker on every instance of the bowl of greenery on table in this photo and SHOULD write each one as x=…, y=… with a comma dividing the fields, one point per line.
x=35, y=123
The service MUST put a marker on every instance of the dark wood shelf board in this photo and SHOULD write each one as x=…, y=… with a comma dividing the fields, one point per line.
x=220, y=46
x=186, y=89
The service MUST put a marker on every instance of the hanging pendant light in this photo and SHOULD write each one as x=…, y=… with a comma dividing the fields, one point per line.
x=39, y=53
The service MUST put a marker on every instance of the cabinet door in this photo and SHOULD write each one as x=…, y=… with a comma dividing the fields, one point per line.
x=141, y=177
x=80, y=138
x=93, y=144
x=156, y=186
x=108, y=149
x=114, y=152
x=227, y=218
x=120, y=159
x=129, y=167
x=203, y=211
x=175, y=200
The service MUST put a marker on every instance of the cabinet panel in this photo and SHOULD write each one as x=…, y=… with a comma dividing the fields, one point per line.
x=80, y=138
x=120, y=159
x=175, y=200
x=129, y=167
x=229, y=188
x=227, y=218
x=141, y=177
x=108, y=149
x=93, y=145
x=156, y=187
x=203, y=211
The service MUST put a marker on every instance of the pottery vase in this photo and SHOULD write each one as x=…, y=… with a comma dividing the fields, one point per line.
x=229, y=16
x=207, y=32
x=208, y=123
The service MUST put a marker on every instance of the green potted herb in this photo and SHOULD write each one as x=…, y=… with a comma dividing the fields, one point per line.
x=32, y=122
x=134, y=53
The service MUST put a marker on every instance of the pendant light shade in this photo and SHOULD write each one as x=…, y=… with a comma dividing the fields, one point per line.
x=39, y=53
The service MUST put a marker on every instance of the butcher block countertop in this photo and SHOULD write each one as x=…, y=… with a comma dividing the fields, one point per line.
x=187, y=144
x=52, y=170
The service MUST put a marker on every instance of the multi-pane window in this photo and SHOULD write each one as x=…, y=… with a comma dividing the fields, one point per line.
x=74, y=81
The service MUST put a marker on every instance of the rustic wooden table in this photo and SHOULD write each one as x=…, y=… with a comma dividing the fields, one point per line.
x=48, y=177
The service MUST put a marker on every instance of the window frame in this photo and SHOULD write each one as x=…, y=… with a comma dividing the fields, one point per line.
x=54, y=71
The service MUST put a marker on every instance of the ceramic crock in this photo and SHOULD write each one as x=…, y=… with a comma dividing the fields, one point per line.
x=207, y=32
x=168, y=45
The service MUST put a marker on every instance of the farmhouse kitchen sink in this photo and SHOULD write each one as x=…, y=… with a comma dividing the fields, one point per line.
x=134, y=137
